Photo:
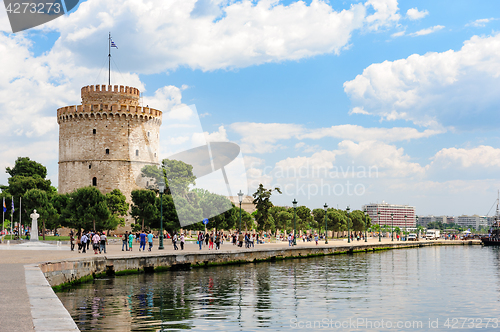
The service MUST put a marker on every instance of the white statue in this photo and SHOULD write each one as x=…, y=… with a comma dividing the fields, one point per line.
x=34, y=226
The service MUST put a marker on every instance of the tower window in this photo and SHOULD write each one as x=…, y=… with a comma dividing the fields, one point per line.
x=94, y=181
x=136, y=152
x=107, y=151
x=94, y=131
x=148, y=133
x=90, y=166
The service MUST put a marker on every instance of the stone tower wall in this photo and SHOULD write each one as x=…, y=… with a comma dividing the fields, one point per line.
x=109, y=138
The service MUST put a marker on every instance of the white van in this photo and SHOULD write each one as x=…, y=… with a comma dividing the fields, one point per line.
x=412, y=237
x=433, y=234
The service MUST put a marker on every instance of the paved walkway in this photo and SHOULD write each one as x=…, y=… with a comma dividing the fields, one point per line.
x=18, y=269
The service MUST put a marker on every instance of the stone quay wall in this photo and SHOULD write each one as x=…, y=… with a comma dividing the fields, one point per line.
x=71, y=271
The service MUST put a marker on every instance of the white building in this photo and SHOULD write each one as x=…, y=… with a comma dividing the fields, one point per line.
x=468, y=221
x=425, y=220
x=381, y=213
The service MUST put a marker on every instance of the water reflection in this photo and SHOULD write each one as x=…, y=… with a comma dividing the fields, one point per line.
x=414, y=284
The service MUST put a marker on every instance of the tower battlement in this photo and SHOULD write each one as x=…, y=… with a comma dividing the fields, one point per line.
x=118, y=93
x=107, y=111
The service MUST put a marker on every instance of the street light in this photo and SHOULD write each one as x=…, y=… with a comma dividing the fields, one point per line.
x=240, y=198
x=366, y=225
x=161, y=188
x=379, y=228
x=405, y=229
x=294, y=221
x=392, y=226
x=416, y=223
x=348, y=231
x=326, y=226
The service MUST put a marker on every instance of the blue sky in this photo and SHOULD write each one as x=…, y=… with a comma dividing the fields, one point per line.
x=409, y=89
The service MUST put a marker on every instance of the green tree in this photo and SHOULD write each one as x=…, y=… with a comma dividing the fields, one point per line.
x=284, y=221
x=170, y=219
x=60, y=202
x=263, y=204
x=337, y=220
x=26, y=167
x=118, y=208
x=36, y=199
x=319, y=216
x=144, y=208
x=87, y=209
x=179, y=176
x=25, y=175
x=357, y=220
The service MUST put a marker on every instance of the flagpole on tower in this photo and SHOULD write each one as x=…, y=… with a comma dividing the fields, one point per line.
x=109, y=59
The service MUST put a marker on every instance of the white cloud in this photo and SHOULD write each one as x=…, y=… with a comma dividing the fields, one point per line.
x=359, y=133
x=427, y=31
x=452, y=88
x=415, y=14
x=159, y=35
x=480, y=23
x=398, y=34
x=358, y=110
x=202, y=138
x=262, y=137
x=386, y=13
x=388, y=159
x=168, y=100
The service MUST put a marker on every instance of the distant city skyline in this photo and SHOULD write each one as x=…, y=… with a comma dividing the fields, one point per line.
x=343, y=103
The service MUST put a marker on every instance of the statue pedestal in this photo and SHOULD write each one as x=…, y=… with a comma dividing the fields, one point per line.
x=34, y=226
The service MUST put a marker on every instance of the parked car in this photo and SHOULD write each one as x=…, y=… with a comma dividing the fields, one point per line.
x=412, y=237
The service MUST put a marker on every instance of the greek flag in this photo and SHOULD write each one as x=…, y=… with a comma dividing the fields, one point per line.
x=113, y=44
x=4, y=207
x=12, y=204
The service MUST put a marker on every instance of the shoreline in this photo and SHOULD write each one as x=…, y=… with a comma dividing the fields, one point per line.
x=49, y=269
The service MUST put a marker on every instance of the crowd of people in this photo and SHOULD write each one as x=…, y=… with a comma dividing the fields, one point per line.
x=85, y=238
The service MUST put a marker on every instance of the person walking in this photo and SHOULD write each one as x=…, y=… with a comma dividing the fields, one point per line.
x=72, y=241
x=200, y=239
x=125, y=241
x=142, y=244
x=95, y=242
x=104, y=240
x=241, y=237
x=89, y=237
x=217, y=242
x=182, y=241
x=316, y=238
x=211, y=242
x=174, y=241
x=130, y=241
x=150, y=240
x=84, y=240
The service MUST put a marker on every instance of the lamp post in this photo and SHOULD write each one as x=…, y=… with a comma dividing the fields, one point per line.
x=161, y=188
x=416, y=223
x=326, y=225
x=240, y=198
x=366, y=225
x=348, y=230
x=392, y=226
x=405, y=229
x=294, y=221
x=379, y=228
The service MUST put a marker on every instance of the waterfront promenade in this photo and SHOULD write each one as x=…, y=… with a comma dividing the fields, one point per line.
x=24, y=290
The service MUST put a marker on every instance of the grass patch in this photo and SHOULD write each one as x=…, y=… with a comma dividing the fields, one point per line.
x=70, y=284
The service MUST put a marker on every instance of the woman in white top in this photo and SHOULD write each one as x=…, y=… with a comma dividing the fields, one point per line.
x=182, y=241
